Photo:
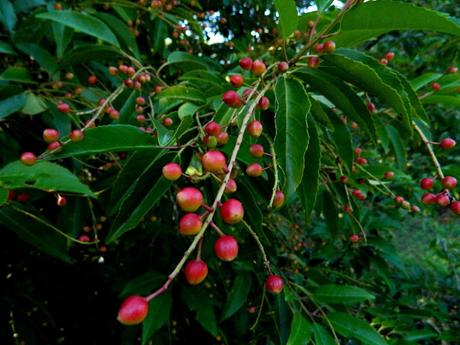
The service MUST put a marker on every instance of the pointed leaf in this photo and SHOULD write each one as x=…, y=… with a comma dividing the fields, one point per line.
x=288, y=16
x=12, y=104
x=158, y=316
x=341, y=294
x=321, y=336
x=300, y=330
x=237, y=296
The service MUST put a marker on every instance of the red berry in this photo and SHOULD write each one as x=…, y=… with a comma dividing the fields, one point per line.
x=61, y=200
x=28, y=158
x=237, y=80
x=449, y=182
x=283, y=66
x=214, y=161
x=133, y=310
x=264, y=103
x=371, y=107
x=455, y=207
x=256, y=150
x=255, y=128
x=23, y=197
x=329, y=46
x=232, y=211
x=429, y=199
x=383, y=61
x=63, y=107
x=113, y=70
x=232, y=99
x=92, y=79
x=399, y=199
x=84, y=238
x=319, y=48
x=358, y=194
x=114, y=114
x=195, y=271
x=246, y=63
x=274, y=284
x=172, y=171
x=11, y=195
x=226, y=248
x=213, y=128
x=443, y=199
x=357, y=151
x=140, y=118
x=344, y=179
x=313, y=61
x=427, y=183
x=436, y=87
x=254, y=170
x=258, y=67
x=279, y=199
x=231, y=186
x=361, y=160
x=389, y=56
x=347, y=208
x=140, y=100
x=389, y=175
x=190, y=224
x=222, y=138
x=50, y=135
x=354, y=238
x=447, y=143
x=54, y=146
x=189, y=199
x=77, y=135
x=415, y=209
x=167, y=121
x=247, y=92
x=452, y=69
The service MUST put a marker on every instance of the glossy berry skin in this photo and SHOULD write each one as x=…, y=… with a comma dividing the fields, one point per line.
x=274, y=284
x=133, y=310
x=279, y=199
x=449, y=182
x=455, y=207
x=246, y=63
x=61, y=200
x=54, y=146
x=50, y=135
x=344, y=179
x=283, y=66
x=63, y=107
x=212, y=128
x=226, y=248
x=319, y=47
x=167, y=121
x=254, y=170
x=214, y=161
x=429, y=199
x=313, y=61
x=232, y=211
x=258, y=67
x=389, y=56
x=140, y=100
x=172, y=171
x=255, y=128
x=195, y=271
x=76, y=135
x=371, y=107
x=357, y=151
x=190, y=224
x=399, y=199
x=28, y=158
x=436, y=87
x=389, y=175
x=383, y=61
x=361, y=160
x=358, y=194
x=354, y=238
x=264, y=103
x=92, y=80
x=189, y=199
x=231, y=186
x=442, y=199
x=452, y=70
x=447, y=143
x=415, y=209
x=256, y=150
x=232, y=99
x=329, y=46
x=427, y=183
x=237, y=80
x=222, y=138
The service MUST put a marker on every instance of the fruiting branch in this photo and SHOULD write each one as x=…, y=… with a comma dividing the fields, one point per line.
x=275, y=171
x=261, y=247
x=429, y=147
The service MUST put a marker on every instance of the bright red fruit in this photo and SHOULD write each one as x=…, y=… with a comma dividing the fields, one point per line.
x=399, y=199
x=246, y=63
x=415, y=209
x=189, y=199
x=50, y=135
x=371, y=107
x=429, y=199
x=389, y=56
x=172, y=171
x=447, y=143
x=361, y=160
x=92, y=79
x=222, y=138
x=230, y=186
x=344, y=179
x=23, y=197
x=455, y=207
x=258, y=67
x=195, y=271
x=232, y=99
x=283, y=66
x=133, y=310
x=274, y=284
x=140, y=100
x=329, y=46
x=190, y=224
x=63, y=107
x=237, y=80
x=436, y=87
x=313, y=61
x=256, y=150
x=358, y=194
x=449, y=182
x=77, y=135
x=212, y=128
x=214, y=161
x=226, y=248
x=389, y=175
x=232, y=211
x=443, y=199
x=383, y=61
x=61, y=200
x=319, y=48
x=264, y=103
x=279, y=199
x=354, y=238
x=452, y=70
x=255, y=128
x=167, y=121
x=254, y=170
x=357, y=151
x=28, y=158
x=427, y=183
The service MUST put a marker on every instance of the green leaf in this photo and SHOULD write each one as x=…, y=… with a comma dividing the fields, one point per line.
x=189, y=61
x=90, y=52
x=11, y=105
x=323, y=4
x=158, y=316
x=198, y=300
x=128, y=108
x=237, y=296
x=288, y=16
x=62, y=36
x=6, y=48
x=35, y=232
x=159, y=33
x=374, y=18
x=451, y=101
x=308, y=188
x=422, y=334
x=111, y=138
x=349, y=326
x=83, y=22
x=331, y=213
x=300, y=330
x=187, y=109
x=34, y=105
x=42, y=175
x=18, y=74
x=341, y=294
x=7, y=15
x=424, y=79
x=181, y=92
x=321, y=336
x=291, y=139
x=41, y=55
x=342, y=139
x=398, y=146
x=143, y=284
x=3, y=195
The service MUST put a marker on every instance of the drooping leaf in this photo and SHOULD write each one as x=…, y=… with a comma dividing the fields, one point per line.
x=288, y=16
x=158, y=316
x=398, y=146
x=321, y=336
x=41, y=55
x=3, y=195
x=34, y=105
x=7, y=15
x=447, y=100
x=291, y=139
x=17, y=74
x=143, y=284
x=341, y=294
x=181, y=92
x=237, y=296
x=424, y=79
x=189, y=61
x=12, y=104
x=301, y=330
x=198, y=300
